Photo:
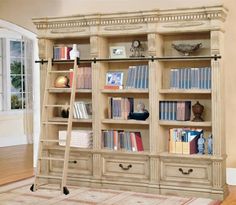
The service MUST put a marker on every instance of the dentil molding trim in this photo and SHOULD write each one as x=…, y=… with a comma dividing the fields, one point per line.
x=182, y=16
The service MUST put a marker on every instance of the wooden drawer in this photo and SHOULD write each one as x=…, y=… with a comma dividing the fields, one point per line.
x=125, y=167
x=79, y=164
x=186, y=171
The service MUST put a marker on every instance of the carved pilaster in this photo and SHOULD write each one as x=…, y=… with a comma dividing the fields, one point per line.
x=154, y=170
x=45, y=48
x=94, y=46
x=218, y=116
x=97, y=166
x=218, y=170
x=96, y=107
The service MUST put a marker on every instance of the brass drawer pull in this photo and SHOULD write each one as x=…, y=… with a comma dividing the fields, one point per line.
x=125, y=168
x=73, y=161
x=185, y=173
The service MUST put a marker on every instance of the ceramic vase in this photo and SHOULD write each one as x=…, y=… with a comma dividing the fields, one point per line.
x=74, y=53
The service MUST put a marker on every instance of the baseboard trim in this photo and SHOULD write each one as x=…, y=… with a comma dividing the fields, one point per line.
x=231, y=176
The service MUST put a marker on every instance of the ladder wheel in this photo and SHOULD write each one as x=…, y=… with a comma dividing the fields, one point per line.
x=65, y=190
x=32, y=188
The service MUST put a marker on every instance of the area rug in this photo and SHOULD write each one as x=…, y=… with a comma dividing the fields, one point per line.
x=19, y=194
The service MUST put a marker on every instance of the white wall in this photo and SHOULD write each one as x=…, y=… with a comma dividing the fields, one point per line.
x=12, y=130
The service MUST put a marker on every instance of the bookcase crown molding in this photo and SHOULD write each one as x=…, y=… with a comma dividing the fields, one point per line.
x=174, y=18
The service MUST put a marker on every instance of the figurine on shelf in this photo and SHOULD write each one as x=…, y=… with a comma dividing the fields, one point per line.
x=65, y=111
x=141, y=108
x=201, y=144
x=210, y=144
x=141, y=114
x=197, y=109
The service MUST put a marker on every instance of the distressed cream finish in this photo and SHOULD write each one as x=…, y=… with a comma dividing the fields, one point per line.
x=154, y=170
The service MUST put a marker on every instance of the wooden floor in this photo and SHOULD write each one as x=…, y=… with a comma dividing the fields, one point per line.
x=16, y=163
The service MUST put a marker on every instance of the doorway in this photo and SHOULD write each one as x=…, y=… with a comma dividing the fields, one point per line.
x=19, y=102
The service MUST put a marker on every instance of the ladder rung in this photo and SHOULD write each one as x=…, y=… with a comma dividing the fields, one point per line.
x=48, y=140
x=49, y=177
x=52, y=158
x=65, y=106
x=55, y=123
x=60, y=71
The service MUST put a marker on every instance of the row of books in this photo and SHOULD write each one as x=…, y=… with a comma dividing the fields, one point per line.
x=82, y=110
x=79, y=138
x=175, y=110
x=138, y=77
x=84, y=80
x=184, y=140
x=61, y=52
x=122, y=140
x=119, y=108
x=190, y=78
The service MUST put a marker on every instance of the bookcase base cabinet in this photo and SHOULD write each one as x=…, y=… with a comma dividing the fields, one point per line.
x=183, y=177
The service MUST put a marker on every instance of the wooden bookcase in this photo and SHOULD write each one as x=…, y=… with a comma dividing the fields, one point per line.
x=154, y=170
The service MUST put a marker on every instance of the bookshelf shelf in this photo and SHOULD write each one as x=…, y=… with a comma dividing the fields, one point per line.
x=136, y=91
x=187, y=156
x=129, y=122
x=184, y=123
x=68, y=90
x=168, y=79
x=118, y=152
x=184, y=91
x=60, y=119
x=73, y=149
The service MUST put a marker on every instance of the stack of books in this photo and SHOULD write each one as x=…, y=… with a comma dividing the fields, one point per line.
x=79, y=138
x=184, y=140
x=82, y=110
x=175, y=110
x=61, y=52
x=137, y=77
x=190, y=78
x=84, y=78
x=119, y=108
x=122, y=140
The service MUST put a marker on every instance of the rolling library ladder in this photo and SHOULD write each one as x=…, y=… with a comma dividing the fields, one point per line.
x=45, y=138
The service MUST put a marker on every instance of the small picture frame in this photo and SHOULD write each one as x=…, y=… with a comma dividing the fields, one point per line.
x=117, y=52
x=114, y=79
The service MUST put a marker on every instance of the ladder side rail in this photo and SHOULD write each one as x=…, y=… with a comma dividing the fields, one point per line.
x=69, y=127
x=43, y=126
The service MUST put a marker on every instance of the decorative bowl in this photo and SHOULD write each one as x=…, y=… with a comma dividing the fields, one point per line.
x=138, y=116
x=186, y=49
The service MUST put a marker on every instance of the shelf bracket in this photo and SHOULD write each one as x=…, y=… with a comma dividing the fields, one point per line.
x=216, y=57
x=42, y=61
